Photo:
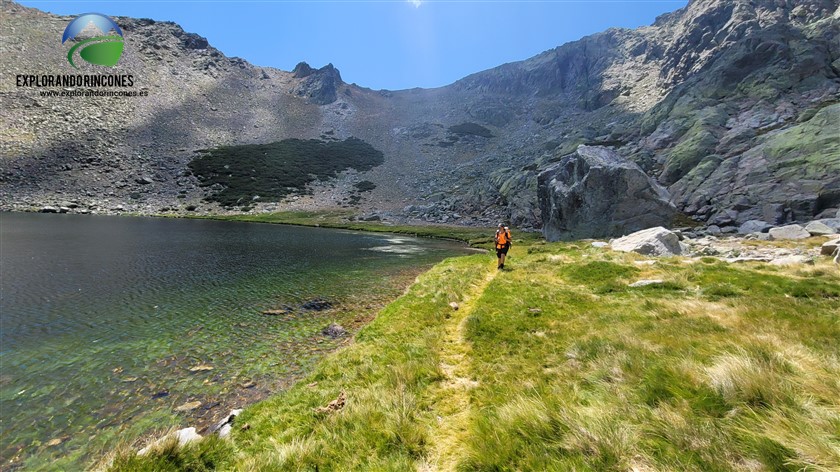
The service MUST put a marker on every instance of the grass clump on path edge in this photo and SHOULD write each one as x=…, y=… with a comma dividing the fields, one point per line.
x=556, y=364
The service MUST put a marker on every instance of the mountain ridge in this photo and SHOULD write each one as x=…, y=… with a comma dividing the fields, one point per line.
x=705, y=100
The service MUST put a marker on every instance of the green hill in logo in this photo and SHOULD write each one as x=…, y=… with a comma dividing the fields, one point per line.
x=102, y=50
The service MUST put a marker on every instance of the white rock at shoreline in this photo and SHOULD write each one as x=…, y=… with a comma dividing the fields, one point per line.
x=184, y=437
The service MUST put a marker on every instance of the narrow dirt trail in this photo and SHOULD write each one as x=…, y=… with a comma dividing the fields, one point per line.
x=450, y=400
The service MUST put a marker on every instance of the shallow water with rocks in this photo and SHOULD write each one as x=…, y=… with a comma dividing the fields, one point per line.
x=114, y=328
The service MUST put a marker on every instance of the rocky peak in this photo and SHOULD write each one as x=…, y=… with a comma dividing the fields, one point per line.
x=695, y=34
x=192, y=40
x=302, y=70
x=319, y=86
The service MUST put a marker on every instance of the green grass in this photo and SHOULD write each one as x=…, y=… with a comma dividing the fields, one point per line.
x=212, y=453
x=723, y=367
x=271, y=171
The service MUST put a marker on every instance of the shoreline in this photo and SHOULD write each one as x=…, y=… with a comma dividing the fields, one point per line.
x=433, y=379
x=353, y=308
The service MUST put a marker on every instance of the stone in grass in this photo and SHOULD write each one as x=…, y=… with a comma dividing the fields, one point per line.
x=186, y=436
x=758, y=236
x=656, y=241
x=644, y=263
x=599, y=244
x=642, y=283
x=334, y=331
x=788, y=232
x=829, y=247
x=792, y=260
x=223, y=427
x=183, y=436
x=333, y=406
x=816, y=228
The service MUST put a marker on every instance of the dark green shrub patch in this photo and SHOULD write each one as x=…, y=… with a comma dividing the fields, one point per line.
x=274, y=170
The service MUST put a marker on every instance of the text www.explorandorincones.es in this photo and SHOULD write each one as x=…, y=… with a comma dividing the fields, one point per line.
x=94, y=93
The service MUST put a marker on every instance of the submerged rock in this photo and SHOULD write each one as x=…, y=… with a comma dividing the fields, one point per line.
x=316, y=304
x=334, y=331
x=595, y=192
x=278, y=311
x=189, y=406
x=653, y=241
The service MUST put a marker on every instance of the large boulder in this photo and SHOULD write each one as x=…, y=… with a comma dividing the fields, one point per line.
x=789, y=232
x=817, y=228
x=754, y=226
x=594, y=192
x=652, y=241
x=833, y=223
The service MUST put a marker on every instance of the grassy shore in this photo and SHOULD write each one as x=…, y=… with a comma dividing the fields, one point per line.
x=474, y=236
x=557, y=364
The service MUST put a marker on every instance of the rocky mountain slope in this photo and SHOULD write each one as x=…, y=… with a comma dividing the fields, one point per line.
x=733, y=106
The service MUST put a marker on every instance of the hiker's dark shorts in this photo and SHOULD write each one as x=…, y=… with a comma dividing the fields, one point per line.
x=502, y=250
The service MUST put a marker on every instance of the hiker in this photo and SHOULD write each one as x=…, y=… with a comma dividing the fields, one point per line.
x=502, y=244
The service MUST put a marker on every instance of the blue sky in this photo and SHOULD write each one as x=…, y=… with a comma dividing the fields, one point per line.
x=390, y=44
